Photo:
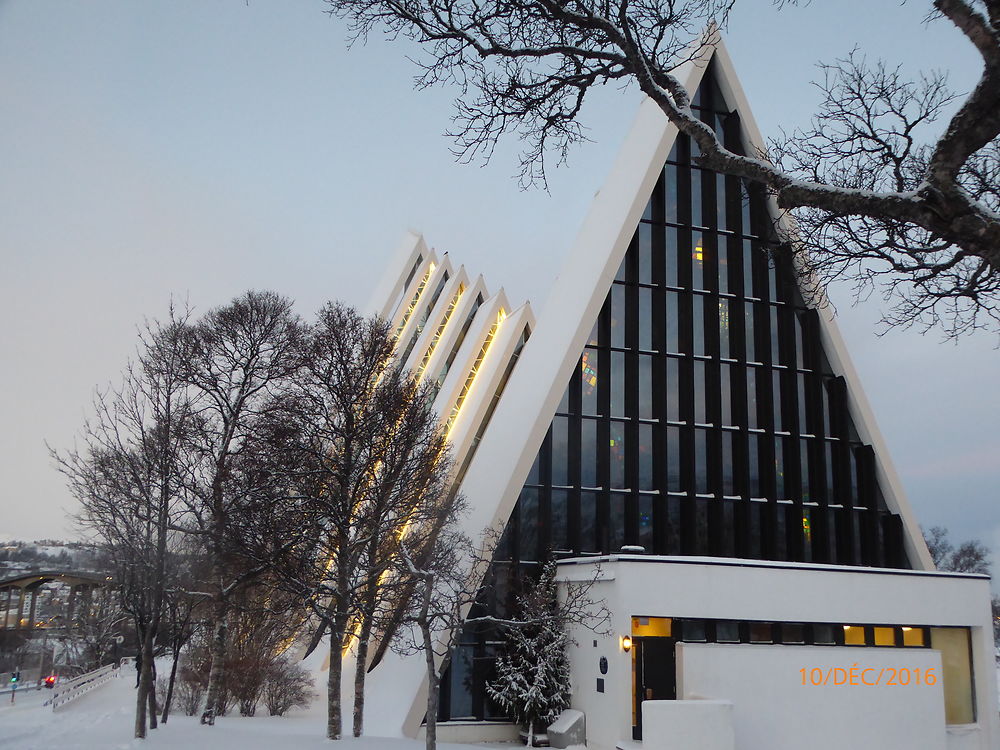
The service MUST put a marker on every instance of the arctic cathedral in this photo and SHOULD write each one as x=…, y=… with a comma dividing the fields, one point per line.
x=684, y=421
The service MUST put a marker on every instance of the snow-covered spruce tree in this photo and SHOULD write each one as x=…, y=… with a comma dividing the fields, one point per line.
x=532, y=681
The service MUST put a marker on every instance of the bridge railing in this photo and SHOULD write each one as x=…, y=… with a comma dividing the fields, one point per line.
x=73, y=689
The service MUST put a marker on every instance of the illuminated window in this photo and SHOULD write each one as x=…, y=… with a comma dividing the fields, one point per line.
x=475, y=369
x=885, y=636
x=854, y=635
x=440, y=329
x=414, y=300
x=956, y=669
x=914, y=637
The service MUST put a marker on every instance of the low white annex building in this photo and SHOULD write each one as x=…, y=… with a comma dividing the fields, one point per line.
x=681, y=417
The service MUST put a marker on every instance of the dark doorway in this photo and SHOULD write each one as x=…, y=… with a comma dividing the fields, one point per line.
x=654, y=675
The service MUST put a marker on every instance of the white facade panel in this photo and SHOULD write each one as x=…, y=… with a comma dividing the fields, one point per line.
x=774, y=710
x=647, y=586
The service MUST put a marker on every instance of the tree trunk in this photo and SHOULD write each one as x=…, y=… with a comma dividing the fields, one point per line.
x=433, y=688
x=334, y=721
x=151, y=693
x=144, y=681
x=217, y=672
x=170, y=688
x=360, y=672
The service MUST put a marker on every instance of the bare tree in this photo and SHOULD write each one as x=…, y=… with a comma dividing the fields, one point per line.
x=880, y=198
x=971, y=556
x=449, y=595
x=126, y=479
x=368, y=453
x=240, y=356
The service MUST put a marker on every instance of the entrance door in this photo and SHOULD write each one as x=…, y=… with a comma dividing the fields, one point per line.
x=654, y=675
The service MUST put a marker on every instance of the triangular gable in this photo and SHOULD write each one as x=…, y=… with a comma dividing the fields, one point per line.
x=518, y=427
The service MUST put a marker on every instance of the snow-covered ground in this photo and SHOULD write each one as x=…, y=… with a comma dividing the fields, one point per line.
x=103, y=720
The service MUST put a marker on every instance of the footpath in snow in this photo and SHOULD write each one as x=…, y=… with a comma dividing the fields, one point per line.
x=104, y=718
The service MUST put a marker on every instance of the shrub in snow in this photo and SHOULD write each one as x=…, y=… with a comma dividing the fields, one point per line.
x=532, y=682
x=286, y=685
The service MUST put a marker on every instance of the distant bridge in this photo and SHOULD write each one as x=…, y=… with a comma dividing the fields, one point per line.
x=27, y=585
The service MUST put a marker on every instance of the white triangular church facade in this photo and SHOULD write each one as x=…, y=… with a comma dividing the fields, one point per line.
x=785, y=633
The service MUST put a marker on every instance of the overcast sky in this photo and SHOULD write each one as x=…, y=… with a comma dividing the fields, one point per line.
x=198, y=149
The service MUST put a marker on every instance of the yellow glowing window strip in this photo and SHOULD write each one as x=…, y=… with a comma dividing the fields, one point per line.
x=475, y=370
x=413, y=302
x=440, y=331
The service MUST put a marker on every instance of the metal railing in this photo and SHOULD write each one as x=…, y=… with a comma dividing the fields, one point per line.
x=73, y=689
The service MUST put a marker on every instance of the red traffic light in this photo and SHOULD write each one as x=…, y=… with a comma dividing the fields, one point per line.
x=50, y=681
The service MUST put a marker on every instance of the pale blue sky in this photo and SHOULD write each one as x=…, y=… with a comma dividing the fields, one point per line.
x=196, y=149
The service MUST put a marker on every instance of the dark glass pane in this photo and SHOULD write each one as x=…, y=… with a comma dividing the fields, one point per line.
x=617, y=449
x=775, y=338
x=804, y=468
x=616, y=532
x=761, y=632
x=748, y=327
x=823, y=635
x=560, y=450
x=753, y=460
x=645, y=318
x=748, y=263
x=618, y=384
x=559, y=505
x=672, y=322
x=828, y=461
x=700, y=461
x=645, y=386
x=727, y=631
x=698, y=318
x=779, y=468
x=645, y=254
x=588, y=453
x=803, y=427
x=753, y=417
x=645, y=535
x=700, y=411
x=779, y=423
x=748, y=228
x=670, y=193
x=646, y=457
x=793, y=632
x=722, y=253
x=726, y=397
x=799, y=353
x=726, y=531
x=720, y=202
x=461, y=683
x=724, y=350
x=617, y=315
x=588, y=381
x=528, y=543
x=588, y=522
x=674, y=459
x=696, y=216
x=827, y=385
x=673, y=390
x=772, y=276
x=728, y=478
x=693, y=630
x=622, y=274
x=671, y=261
